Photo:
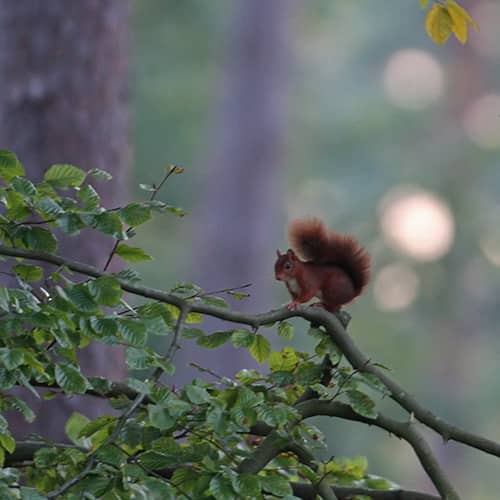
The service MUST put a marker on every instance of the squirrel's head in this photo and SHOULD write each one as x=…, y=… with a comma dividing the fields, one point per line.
x=285, y=266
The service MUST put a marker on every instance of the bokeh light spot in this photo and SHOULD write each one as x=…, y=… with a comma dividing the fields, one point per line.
x=417, y=223
x=395, y=287
x=413, y=79
x=482, y=121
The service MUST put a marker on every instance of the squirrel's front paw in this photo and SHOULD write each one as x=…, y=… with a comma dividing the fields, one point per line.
x=292, y=305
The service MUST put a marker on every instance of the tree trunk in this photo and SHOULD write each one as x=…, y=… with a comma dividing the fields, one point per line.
x=240, y=213
x=63, y=99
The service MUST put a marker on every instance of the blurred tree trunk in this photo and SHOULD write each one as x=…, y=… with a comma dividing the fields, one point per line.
x=63, y=99
x=241, y=204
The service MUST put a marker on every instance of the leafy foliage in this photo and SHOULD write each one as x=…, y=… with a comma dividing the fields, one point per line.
x=140, y=454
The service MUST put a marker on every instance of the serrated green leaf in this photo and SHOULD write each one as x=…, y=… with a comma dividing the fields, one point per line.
x=221, y=488
x=11, y=358
x=135, y=214
x=10, y=166
x=7, y=442
x=133, y=331
x=242, y=338
x=276, y=485
x=132, y=254
x=214, y=340
x=70, y=223
x=105, y=290
x=23, y=186
x=286, y=360
x=89, y=197
x=246, y=485
x=21, y=406
x=38, y=239
x=285, y=330
x=74, y=425
x=17, y=209
x=361, y=403
x=69, y=378
x=197, y=395
x=160, y=417
x=260, y=348
x=28, y=272
x=214, y=301
x=28, y=493
x=80, y=297
x=64, y=176
x=158, y=489
x=105, y=422
x=100, y=174
x=128, y=275
x=49, y=207
x=109, y=223
x=137, y=359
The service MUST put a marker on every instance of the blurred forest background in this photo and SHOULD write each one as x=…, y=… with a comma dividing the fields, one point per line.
x=376, y=129
x=341, y=109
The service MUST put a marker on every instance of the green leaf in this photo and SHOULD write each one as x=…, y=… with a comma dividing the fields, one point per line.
x=89, y=197
x=214, y=301
x=22, y=407
x=70, y=223
x=105, y=290
x=132, y=331
x=80, y=297
x=100, y=174
x=4, y=299
x=31, y=494
x=242, y=338
x=64, y=176
x=135, y=214
x=285, y=329
x=221, y=488
x=276, y=485
x=128, y=275
x=105, y=422
x=74, y=425
x=49, y=207
x=158, y=489
x=17, y=209
x=260, y=349
x=137, y=359
x=361, y=403
x=69, y=378
x=132, y=254
x=10, y=166
x=11, y=358
x=104, y=326
x=160, y=417
x=38, y=239
x=214, y=340
x=109, y=223
x=7, y=442
x=286, y=360
x=197, y=395
x=247, y=485
x=23, y=186
x=28, y=272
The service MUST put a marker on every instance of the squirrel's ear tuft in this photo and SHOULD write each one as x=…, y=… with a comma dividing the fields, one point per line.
x=278, y=253
x=290, y=254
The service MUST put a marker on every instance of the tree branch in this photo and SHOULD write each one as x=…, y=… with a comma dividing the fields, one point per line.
x=404, y=430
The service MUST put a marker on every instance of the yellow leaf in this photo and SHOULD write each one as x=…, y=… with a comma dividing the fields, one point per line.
x=438, y=24
x=458, y=11
x=423, y=3
x=459, y=25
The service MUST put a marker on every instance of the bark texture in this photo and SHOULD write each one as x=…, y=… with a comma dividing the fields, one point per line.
x=63, y=99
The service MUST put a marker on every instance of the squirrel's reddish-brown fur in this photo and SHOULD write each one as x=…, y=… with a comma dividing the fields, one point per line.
x=335, y=267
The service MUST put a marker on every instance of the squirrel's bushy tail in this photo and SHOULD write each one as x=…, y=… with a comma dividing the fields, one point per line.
x=314, y=242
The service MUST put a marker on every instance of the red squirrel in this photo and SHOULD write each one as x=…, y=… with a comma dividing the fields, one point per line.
x=335, y=268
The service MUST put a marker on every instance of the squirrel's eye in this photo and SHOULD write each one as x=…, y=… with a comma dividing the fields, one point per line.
x=288, y=265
